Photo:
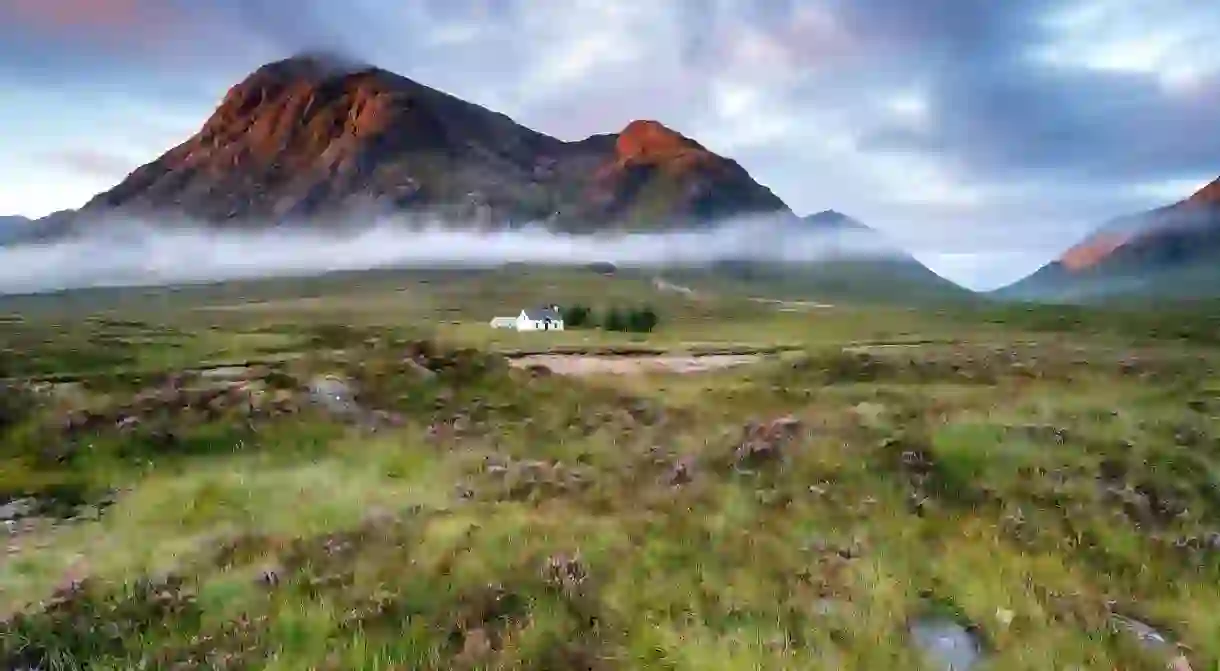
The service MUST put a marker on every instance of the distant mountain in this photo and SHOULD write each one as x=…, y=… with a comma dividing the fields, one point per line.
x=845, y=260
x=21, y=230
x=12, y=228
x=834, y=221
x=316, y=138
x=1171, y=252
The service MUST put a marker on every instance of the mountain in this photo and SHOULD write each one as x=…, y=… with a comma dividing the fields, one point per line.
x=15, y=230
x=317, y=138
x=833, y=257
x=321, y=141
x=1171, y=252
x=12, y=228
x=834, y=221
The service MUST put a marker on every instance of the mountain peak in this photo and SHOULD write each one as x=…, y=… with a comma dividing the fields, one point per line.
x=1209, y=194
x=325, y=58
x=833, y=219
x=293, y=91
x=303, y=70
x=645, y=140
x=828, y=216
x=314, y=64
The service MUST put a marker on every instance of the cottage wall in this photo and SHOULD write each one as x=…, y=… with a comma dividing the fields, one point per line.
x=524, y=323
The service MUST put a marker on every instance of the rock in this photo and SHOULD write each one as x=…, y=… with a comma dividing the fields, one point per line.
x=18, y=508
x=333, y=394
x=225, y=373
x=1152, y=640
x=269, y=577
x=127, y=423
x=682, y=472
x=947, y=644
x=1147, y=635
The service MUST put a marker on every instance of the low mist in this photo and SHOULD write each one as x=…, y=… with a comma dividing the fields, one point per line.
x=132, y=253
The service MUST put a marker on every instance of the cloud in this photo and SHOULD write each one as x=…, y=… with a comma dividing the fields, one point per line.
x=999, y=107
x=1000, y=268
x=130, y=253
x=88, y=14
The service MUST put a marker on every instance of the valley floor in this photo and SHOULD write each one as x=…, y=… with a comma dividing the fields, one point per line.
x=385, y=489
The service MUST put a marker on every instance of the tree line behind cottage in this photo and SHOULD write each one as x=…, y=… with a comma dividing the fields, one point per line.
x=632, y=320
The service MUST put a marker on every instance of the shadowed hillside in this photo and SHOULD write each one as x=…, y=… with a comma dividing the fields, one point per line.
x=1170, y=253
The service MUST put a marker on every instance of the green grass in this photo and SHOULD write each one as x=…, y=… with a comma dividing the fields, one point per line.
x=1024, y=480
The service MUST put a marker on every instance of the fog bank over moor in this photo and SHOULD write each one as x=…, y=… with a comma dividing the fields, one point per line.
x=134, y=252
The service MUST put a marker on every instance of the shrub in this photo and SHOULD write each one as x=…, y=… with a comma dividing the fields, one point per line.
x=614, y=320
x=642, y=321
x=577, y=316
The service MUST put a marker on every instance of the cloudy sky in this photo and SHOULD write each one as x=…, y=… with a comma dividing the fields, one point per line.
x=985, y=136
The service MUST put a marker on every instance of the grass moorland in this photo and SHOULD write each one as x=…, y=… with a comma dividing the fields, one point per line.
x=1034, y=489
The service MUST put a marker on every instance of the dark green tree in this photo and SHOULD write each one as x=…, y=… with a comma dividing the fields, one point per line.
x=614, y=320
x=643, y=320
x=576, y=316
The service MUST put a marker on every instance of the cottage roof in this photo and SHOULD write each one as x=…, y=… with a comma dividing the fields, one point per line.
x=539, y=314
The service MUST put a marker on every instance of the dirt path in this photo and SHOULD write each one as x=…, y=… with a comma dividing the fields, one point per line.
x=583, y=364
x=663, y=285
x=792, y=306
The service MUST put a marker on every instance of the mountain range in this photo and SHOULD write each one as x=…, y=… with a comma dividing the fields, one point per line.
x=316, y=140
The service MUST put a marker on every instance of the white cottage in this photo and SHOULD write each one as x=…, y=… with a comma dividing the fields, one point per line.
x=540, y=319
